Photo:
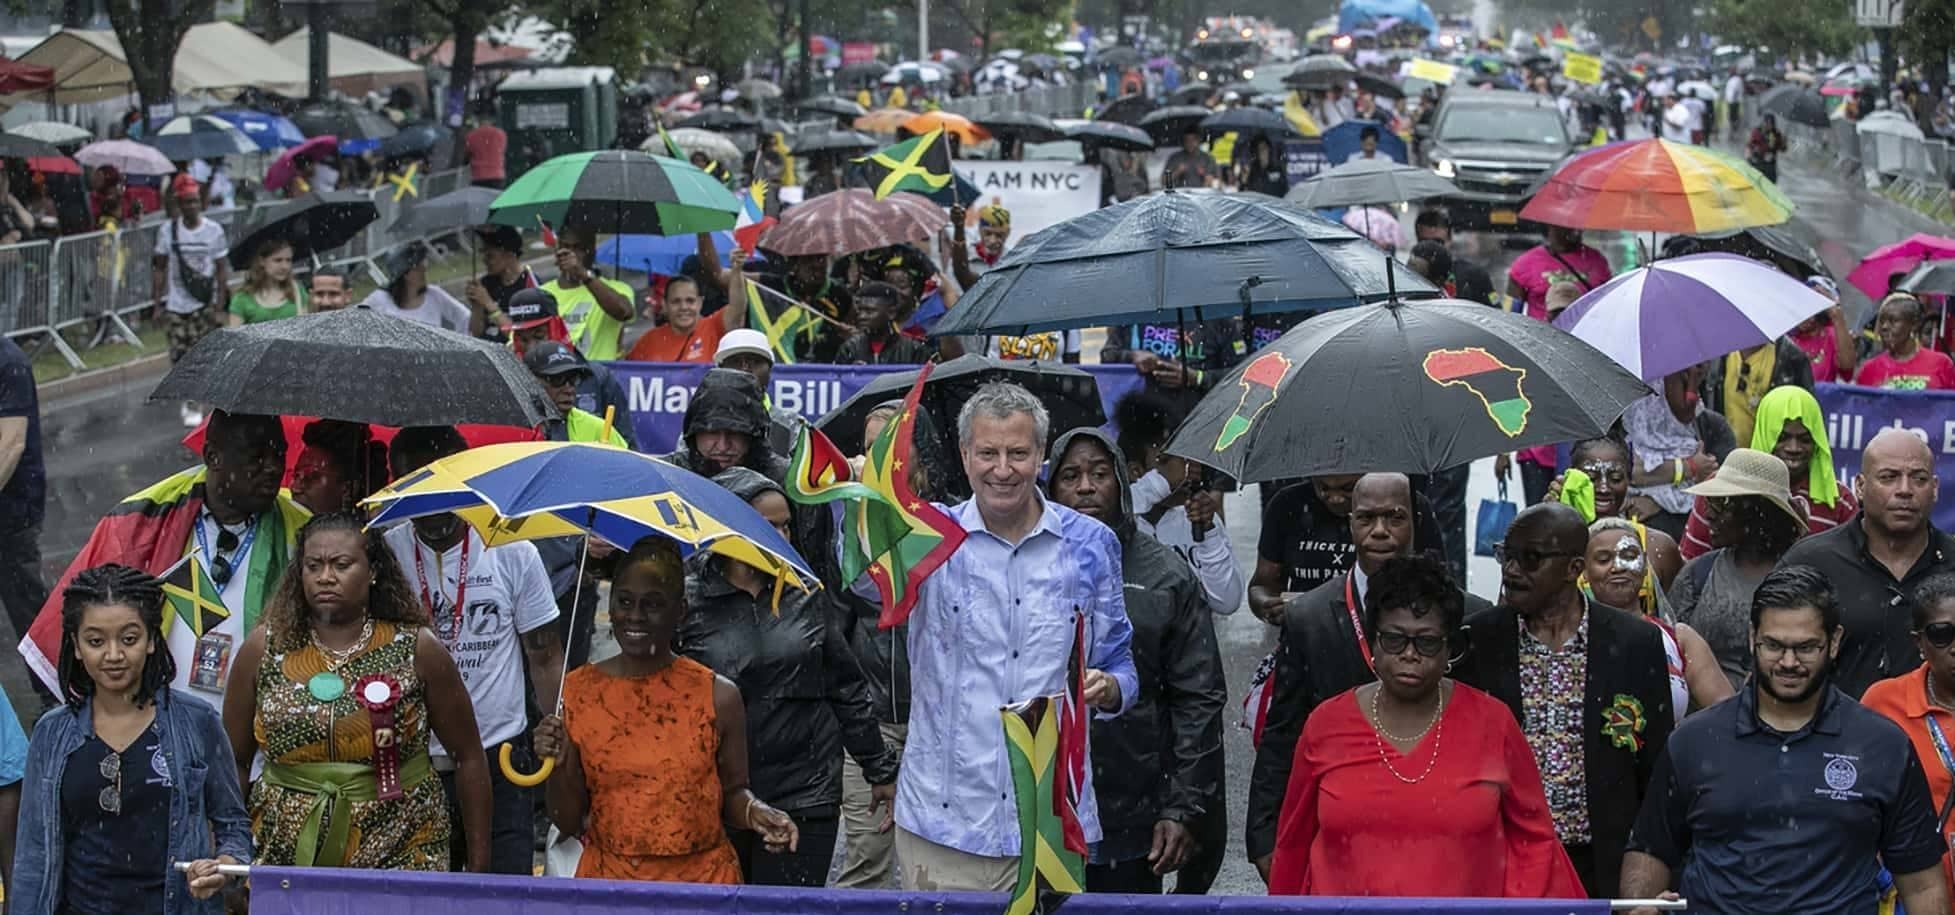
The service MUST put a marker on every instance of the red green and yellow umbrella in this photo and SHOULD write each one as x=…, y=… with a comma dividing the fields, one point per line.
x=1656, y=185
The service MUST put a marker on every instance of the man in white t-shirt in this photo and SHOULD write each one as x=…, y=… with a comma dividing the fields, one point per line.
x=483, y=601
x=1678, y=120
x=191, y=277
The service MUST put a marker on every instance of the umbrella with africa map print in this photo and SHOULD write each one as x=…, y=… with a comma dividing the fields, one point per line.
x=1415, y=387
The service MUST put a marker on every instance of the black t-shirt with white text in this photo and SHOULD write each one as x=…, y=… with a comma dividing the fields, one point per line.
x=1300, y=534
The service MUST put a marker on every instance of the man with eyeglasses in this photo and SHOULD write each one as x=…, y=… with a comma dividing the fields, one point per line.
x=1589, y=683
x=1789, y=797
x=1876, y=560
x=1321, y=651
x=559, y=370
x=226, y=516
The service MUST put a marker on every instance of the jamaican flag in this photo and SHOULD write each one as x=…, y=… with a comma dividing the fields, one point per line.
x=780, y=328
x=1045, y=864
x=192, y=597
x=920, y=164
x=888, y=531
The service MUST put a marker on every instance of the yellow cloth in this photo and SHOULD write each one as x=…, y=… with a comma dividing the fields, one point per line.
x=1299, y=116
x=582, y=426
x=1746, y=379
x=593, y=331
x=898, y=98
x=863, y=98
x=1222, y=148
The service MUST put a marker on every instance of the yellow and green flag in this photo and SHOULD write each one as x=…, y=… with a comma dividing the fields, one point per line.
x=190, y=595
x=920, y=164
x=780, y=329
x=1045, y=863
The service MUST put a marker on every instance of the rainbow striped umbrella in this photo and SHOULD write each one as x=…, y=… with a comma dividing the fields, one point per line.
x=1656, y=185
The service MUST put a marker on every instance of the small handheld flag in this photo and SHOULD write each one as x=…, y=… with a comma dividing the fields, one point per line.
x=753, y=217
x=920, y=164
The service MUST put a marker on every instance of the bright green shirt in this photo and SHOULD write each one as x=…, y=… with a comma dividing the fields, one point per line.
x=251, y=311
x=594, y=332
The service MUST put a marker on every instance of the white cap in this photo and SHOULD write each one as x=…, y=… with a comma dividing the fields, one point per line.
x=743, y=340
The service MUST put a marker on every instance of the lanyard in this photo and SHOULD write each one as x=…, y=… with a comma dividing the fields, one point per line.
x=1941, y=743
x=244, y=545
x=461, y=580
x=1357, y=626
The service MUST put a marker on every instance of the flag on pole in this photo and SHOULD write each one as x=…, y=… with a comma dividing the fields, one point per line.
x=1045, y=863
x=753, y=217
x=920, y=164
x=888, y=531
x=780, y=329
x=549, y=235
x=671, y=148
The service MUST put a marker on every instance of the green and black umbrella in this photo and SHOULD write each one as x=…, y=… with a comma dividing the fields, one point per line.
x=1414, y=387
x=622, y=191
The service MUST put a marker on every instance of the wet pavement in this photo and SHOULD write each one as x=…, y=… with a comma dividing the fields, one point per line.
x=102, y=447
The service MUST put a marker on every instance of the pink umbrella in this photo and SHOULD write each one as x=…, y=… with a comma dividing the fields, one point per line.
x=1902, y=256
x=1836, y=90
x=282, y=169
x=1378, y=224
x=126, y=156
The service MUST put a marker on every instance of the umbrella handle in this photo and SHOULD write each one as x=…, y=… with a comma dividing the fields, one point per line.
x=507, y=760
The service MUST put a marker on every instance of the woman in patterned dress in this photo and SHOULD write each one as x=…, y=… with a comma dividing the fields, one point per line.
x=340, y=687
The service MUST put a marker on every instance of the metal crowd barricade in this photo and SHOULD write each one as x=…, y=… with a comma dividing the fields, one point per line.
x=26, y=284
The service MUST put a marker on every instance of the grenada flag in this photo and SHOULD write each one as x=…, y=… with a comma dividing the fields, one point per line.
x=753, y=217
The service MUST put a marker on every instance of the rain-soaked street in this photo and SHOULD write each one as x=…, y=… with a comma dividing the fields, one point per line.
x=104, y=445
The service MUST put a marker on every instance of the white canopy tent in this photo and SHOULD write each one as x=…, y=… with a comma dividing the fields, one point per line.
x=353, y=66
x=219, y=58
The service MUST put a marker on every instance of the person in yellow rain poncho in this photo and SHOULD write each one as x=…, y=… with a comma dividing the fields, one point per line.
x=1299, y=117
x=558, y=369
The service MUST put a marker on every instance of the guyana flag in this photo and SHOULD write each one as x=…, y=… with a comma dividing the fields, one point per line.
x=780, y=329
x=920, y=164
x=888, y=531
x=1045, y=741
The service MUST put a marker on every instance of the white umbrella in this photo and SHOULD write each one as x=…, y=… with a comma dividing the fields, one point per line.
x=1698, y=88
x=53, y=133
x=915, y=72
x=692, y=139
x=201, y=136
x=1889, y=123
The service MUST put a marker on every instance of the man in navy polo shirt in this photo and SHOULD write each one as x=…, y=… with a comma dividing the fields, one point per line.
x=1790, y=796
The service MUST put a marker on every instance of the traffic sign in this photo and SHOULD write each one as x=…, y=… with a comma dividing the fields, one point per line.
x=1652, y=28
x=1878, y=14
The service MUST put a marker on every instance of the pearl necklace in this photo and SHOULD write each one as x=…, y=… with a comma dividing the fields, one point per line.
x=1433, y=726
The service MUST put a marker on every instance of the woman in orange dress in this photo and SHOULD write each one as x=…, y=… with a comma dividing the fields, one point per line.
x=652, y=748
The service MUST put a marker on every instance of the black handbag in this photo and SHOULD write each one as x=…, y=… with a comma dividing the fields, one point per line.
x=201, y=287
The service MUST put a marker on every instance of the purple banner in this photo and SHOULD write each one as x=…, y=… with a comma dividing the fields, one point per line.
x=658, y=393
x=326, y=891
x=1855, y=414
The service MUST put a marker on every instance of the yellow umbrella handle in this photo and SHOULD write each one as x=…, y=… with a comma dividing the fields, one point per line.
x=519, y=779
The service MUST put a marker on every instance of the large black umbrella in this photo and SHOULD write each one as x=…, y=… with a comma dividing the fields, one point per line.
x=1795, y=104
x=1127, y=109
x=1166, y=125
x=457, y=209
x=200, y=136
x=1112, y=135
x=1361, y=182
x=1321, y=71
x=834, y=142
x=1191, y=94
x=721, y=119
x=860, y=72
x=415, y=139
x=1931, y=278
x=832, y=105
x=314, y=224
x=1381, y=86
x=1071, y=396
x=1177, y=256
x=1021, y=125
x=1767, y=243
x=1414, y=387
x=1249, y=120
x=349, y=123
x=361, y=366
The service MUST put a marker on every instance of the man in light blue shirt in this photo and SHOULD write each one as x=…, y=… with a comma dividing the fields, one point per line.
x=994, y=627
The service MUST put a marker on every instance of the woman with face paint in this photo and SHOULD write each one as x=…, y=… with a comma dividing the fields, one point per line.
x=1620, y=573
x=1608, y=463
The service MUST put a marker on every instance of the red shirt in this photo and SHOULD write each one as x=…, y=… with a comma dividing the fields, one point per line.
x=1926, y=370
x=1819, y=519
x=485, y=146
x=1350, y=828
x=1822, y=346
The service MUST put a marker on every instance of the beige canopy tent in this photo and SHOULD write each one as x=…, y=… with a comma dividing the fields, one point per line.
x=217, y=57
x=354, y=66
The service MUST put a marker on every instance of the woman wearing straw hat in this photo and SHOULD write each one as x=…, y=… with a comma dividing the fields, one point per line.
x=1752, y=524
x=1791, y=427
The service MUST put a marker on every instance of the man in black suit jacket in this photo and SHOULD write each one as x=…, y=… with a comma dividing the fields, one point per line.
x=1596, y=749
x=1320, y=653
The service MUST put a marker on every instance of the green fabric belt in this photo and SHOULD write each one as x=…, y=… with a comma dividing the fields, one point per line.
x=338, y=786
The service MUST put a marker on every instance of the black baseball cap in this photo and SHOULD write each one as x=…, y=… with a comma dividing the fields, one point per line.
x=530, y=307
x=505, y=238
x=549, y=358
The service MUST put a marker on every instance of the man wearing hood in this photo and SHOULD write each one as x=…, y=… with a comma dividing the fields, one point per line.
x=1159, y=771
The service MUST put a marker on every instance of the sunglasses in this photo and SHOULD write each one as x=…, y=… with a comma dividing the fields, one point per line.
x=1526, y=559
x=221, y=569
x=1940, y=635
x=1431, y=646
x=110, y=800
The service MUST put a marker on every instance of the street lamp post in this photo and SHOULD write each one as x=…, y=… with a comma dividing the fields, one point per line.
x=922, y=30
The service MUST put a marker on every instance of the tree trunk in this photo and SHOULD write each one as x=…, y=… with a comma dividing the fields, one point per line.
x=150, y=31
x=461, y=73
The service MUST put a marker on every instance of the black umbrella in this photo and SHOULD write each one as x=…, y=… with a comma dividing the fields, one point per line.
x=839, y=142
x=1768, y=243
x=861, y=72
x=1796, y=104
x=415, y=139
x=1361, y=182
x=1250, y=120
x=1191, y=94
x=201, y=136
x=1071, y=396
x=1118, y=56
x=721, y=119
x=1128, y=109
x=832, y=105
x=315, y=223
x=1112, y=135
x=14, y=146
x=1931, y=278
x=1414, y=387
x=1178, y=256
x=358, y=365
x=1381, y=86
x=454, y=210
x=1166, y=125
x=344, y=122
x=1021, y=125
x=1321, y=71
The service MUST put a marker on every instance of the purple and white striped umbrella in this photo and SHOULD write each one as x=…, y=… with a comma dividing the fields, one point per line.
x=1678, y=312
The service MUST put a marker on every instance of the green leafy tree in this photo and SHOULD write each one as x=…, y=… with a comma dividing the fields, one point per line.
x=1928, y=37
x=1792, y=28
x=150, y=32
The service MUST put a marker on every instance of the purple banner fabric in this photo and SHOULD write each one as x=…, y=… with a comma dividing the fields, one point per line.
x=1855, y=414
x=658, y=393
x=326, y=891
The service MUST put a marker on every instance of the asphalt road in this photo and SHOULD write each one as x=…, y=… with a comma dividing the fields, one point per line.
x=101, y=447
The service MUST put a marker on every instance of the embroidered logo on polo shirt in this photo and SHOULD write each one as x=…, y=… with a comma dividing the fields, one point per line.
x=1841, y=776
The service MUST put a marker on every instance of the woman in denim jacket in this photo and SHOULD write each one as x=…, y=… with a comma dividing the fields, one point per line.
x=128, y=778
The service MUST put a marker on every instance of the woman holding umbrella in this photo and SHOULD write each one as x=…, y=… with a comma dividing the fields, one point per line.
x=341, y=686
x=269, y=291
x=652, y=747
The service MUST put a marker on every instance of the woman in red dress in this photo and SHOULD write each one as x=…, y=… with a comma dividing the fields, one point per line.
x=1394, y=776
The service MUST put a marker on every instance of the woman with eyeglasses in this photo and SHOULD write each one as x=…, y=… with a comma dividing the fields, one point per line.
x=129, y=776
x=1393, y=776
x=1922, y=701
